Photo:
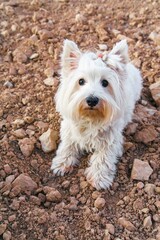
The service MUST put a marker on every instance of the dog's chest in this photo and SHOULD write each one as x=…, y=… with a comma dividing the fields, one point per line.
x=89, y=139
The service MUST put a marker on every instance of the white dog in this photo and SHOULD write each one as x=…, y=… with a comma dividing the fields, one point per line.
x=95, y=99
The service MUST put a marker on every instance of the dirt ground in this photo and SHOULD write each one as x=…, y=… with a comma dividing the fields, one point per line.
x=35, y=204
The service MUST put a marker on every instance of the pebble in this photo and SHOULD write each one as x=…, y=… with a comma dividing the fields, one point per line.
x=147, y=223
x=141, y=170
x=155, y=91
x=99, y=203
x=74, y=190
x=49, y=81
x=7, y=169
x=7, y=235
x=26, y=146
x=102, y=47
x=146, y=135
x=33, y=56
x=8, y=84
x=155, y=37
x=19, y=133
x=25, y=183
x=49, y=72
x=54, y=196
x=48, y=140
x=110, y=228
x=96, y=194
x=126, y=224
x=149, y=189
x=3, y=227
x=140, y=185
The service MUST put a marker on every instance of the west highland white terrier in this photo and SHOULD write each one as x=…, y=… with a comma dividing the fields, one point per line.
x=96, y=99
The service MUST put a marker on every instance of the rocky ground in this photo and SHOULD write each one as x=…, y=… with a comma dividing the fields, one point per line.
x=35, y=204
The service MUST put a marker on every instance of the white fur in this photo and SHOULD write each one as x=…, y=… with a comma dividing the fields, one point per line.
x=102, y=137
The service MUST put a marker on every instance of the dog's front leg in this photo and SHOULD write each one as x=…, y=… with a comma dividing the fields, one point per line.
x=66, y=157
x=102, y=169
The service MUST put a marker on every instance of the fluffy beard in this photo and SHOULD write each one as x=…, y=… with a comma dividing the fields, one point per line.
x=100, y=114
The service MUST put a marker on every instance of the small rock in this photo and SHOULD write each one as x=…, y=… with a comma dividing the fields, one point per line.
x=25, y=183
x=3, y=227
x=7, y=235
x=65, y=184
x=74, y=190
x=155, y=91
x=131, y=128
x=146, y=135
x=150, y=189
x=54, y=196
x=87, y=225
x=18, y=123
x=49, y=81
x=80, y=18
x=147, y=223
x=141, y=170
x=48, y=140
x=45, y=34
x=19, y=133
x=49, y=72
x=8, y=84
x=156, y=217
x=157, y=190
x=96, y=194
x=110, y=228
x=7, y=169
x=99, y=203
x=26, y=145
x=140, y=185
x=35, y=200
x=10, y=179
x=102, y=47
x=155, y=37
x=126, y=224
x=33, y=56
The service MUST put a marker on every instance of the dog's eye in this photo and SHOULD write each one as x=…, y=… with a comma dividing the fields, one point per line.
x=104, y=83
x=81, y=82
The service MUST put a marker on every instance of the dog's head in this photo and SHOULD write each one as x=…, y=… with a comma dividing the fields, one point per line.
x=91, y=87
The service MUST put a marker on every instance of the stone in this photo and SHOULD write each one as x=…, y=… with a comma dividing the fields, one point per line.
x=8, y=84
x=44, y=34
x=147, y=223
x=49, y=72
x=146, y=135
x=110, y=228
x=3, y=227
x=18, y=123
x=19, y=133
x=74, y=189
x=7, y=235
x=7, y=169
x=26, y=146
x=102, y=47
x=149, y=189
x=33, y=56
x=99, y=203
x=155, y=91
x=54, y=196
x=49, y=81
x=126, y=224
x=155, y=37
x=48, y=140
x=141, y=170
x=25, y=183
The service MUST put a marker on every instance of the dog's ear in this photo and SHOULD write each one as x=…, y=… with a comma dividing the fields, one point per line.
x=70, y=57
x=118, y=56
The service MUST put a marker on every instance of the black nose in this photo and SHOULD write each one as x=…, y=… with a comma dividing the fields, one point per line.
x=92, y=101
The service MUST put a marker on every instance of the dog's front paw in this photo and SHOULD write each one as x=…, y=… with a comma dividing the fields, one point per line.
x=61, y=165
x=99, y=179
